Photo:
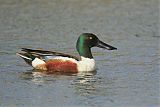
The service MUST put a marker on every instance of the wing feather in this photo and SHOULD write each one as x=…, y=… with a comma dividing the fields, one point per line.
x=43, y=53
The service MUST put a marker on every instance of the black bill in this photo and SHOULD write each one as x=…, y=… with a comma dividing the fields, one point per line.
x=105, y=46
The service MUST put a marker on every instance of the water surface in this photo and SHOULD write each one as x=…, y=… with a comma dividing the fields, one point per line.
x=128, y=77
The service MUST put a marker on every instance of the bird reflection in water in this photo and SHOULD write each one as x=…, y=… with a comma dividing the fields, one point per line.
x=37, y=77
x=83, y=83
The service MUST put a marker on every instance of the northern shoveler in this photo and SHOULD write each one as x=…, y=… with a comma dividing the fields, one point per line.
x=51, y=62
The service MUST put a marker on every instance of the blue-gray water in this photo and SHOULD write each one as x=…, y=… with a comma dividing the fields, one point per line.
x=127, y=77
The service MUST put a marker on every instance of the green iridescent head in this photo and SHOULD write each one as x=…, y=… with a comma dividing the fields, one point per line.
x=88, y=40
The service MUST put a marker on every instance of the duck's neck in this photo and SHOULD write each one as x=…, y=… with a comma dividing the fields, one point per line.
x=85, y=52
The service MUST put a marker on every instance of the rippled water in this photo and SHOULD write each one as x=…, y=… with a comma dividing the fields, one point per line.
x=128, y=77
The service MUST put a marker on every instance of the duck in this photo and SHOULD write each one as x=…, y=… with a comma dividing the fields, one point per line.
x=52, y=61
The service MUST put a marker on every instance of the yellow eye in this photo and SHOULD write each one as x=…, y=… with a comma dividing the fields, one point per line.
x=90, y=37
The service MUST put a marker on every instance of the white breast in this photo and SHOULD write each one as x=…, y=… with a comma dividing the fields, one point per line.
x=86, y=64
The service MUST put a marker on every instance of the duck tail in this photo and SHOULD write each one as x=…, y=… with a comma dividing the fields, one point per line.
x=27, y=57
x=33, y=60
